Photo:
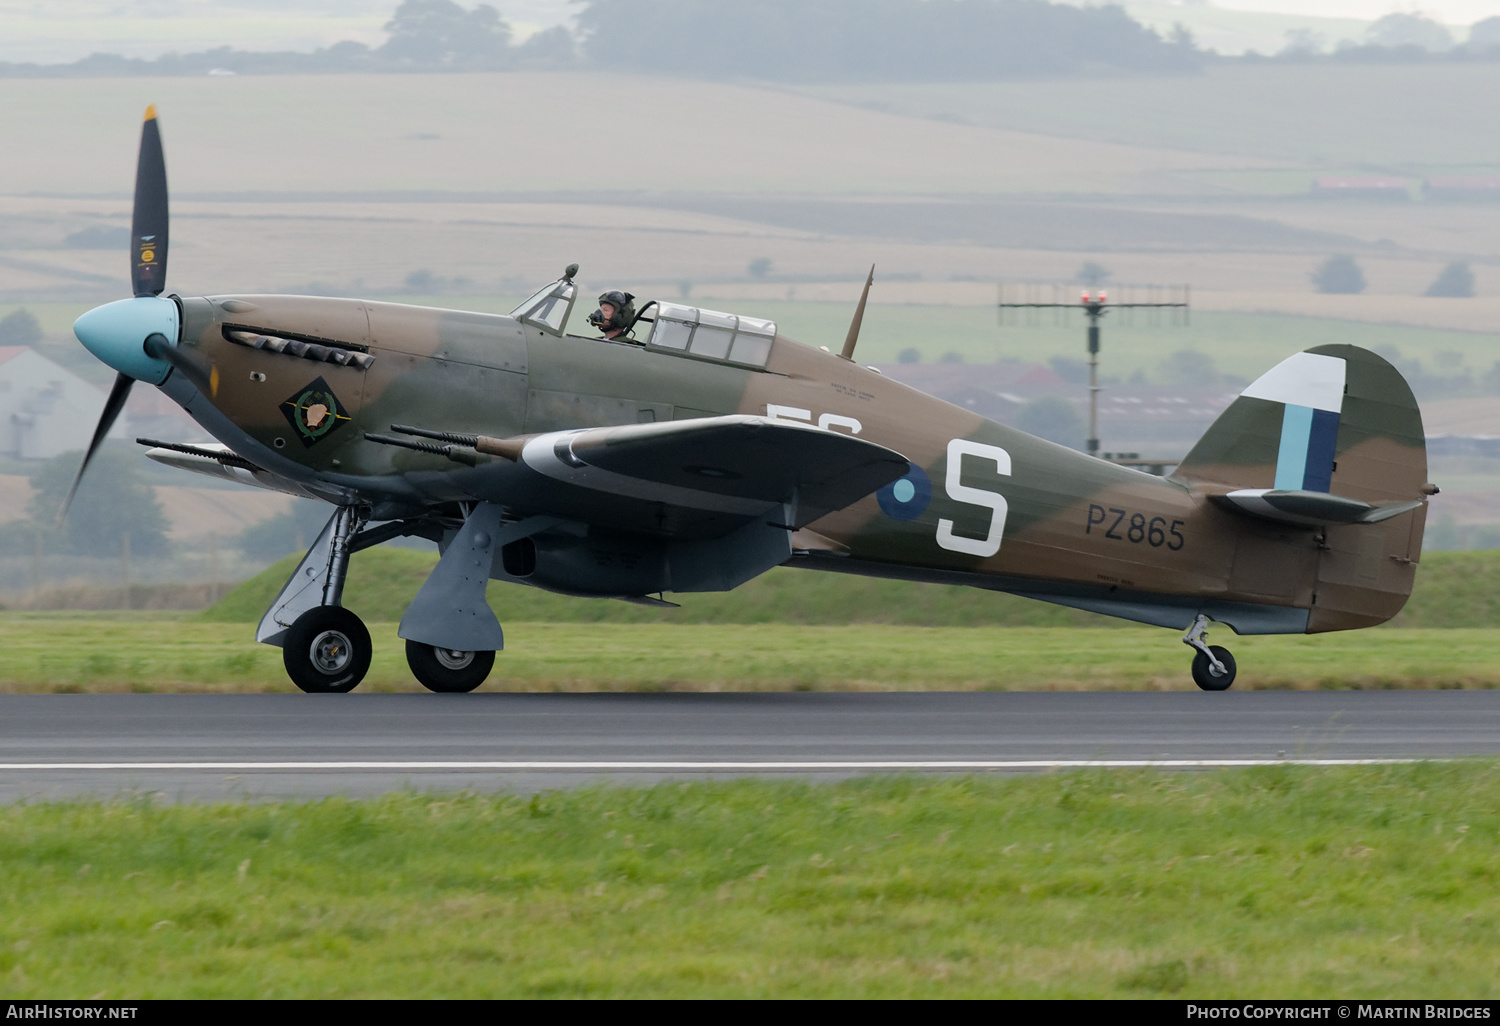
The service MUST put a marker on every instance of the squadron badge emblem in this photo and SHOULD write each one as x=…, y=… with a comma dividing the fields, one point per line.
x=314, y=412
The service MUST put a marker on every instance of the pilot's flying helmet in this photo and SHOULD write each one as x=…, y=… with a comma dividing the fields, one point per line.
x=624, y=314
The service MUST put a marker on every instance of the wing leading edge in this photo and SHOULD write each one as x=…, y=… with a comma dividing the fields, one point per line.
x=736, y=467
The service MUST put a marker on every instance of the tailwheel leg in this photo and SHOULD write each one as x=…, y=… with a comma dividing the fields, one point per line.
x=1213, y=666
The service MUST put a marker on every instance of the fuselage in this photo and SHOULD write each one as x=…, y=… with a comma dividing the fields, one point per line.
x=984, y=503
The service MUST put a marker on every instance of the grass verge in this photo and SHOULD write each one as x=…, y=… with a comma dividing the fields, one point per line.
x=70, y=653
x=1281, y=882
x=1454, y=589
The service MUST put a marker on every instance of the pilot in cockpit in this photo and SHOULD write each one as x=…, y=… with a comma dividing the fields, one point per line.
x=615, y=315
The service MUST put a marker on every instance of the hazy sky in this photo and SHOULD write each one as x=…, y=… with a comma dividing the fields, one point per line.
x=1454, y=12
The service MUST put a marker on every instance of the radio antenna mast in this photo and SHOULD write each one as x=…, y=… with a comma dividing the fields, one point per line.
x=1095, y=307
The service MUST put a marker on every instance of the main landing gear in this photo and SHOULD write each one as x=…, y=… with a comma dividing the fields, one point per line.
x=325, y=647
x=1213, y=666
x=451, y=633
x=448, y=670
x=327, y=650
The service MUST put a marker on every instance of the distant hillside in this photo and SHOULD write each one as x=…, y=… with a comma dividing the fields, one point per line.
x=805, y=41
x=857, y=40
x=1454, y=589
x=771, y=40
x=1413, y=119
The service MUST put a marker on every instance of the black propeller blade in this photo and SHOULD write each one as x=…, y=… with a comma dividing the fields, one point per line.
x=112, y=407
x=148, y=270
x=148, y=224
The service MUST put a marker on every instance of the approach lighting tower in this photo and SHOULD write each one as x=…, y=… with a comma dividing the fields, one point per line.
x=1096, y=307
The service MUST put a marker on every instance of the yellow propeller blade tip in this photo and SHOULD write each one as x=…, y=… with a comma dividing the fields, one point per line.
x=150, y=113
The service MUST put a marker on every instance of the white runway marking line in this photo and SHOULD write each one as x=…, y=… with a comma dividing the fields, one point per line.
x=710, y=766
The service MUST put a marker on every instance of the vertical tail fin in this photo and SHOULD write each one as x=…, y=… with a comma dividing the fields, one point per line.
x=1330, y=424
x=1335, y=419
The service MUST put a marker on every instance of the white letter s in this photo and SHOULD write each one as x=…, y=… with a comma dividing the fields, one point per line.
x=958, y=448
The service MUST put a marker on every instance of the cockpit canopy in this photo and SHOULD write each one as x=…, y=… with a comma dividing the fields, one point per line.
x=675, y=328
x=711, y=335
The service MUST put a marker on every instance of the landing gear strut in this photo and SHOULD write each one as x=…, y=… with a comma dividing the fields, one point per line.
x=1213, y=666
x=324, y=647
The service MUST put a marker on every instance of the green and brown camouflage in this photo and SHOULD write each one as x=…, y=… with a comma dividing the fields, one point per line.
x=1019, y=514
x=713, y=448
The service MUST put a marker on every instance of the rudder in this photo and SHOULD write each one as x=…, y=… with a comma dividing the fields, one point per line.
x=1333, y=423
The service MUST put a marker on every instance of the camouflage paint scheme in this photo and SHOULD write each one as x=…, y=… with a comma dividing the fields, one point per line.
x=1164, y=551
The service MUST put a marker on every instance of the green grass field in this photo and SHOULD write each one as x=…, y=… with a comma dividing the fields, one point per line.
x=64, y=653
x=787, y=630
x=1281, y=882
x=1454, y=589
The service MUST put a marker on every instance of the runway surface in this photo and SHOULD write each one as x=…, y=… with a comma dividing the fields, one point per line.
x=192, y=747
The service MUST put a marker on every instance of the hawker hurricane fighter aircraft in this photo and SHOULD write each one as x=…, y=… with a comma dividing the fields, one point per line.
x=704, y=448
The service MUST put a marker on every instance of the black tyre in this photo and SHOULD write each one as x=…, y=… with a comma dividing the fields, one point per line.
x=327, y=650
x=448, y=671
x=1203, y=670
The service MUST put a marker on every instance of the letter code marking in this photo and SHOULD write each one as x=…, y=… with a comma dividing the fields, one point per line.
x=958, y=448
x=826, y=421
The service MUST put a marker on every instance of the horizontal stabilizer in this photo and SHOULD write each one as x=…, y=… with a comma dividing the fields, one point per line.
x=1311, y=509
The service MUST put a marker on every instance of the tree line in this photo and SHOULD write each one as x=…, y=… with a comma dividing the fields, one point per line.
x=774, y=40
x=795, y=41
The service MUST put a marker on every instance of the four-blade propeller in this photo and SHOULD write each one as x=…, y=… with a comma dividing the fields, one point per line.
x=148, y=273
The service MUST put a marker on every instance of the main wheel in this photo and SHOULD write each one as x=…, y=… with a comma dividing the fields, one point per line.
x=1204, y=674
x=326, y=650
x=447, y=670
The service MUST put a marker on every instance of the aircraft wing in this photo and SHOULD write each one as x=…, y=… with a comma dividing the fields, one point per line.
x=723, y=469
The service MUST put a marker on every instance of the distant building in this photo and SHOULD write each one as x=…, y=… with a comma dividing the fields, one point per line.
x=996, y=391
x=1361, y=188
x=1465, y=188
x=1156, y=421
x=47, y=410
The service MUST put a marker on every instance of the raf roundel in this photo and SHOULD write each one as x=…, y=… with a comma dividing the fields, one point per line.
x=906, y=498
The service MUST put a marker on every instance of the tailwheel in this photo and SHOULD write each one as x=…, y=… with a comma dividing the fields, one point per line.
x=1213, y=666
x=447, y=670
x=1210, y=677
x=327, y=649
